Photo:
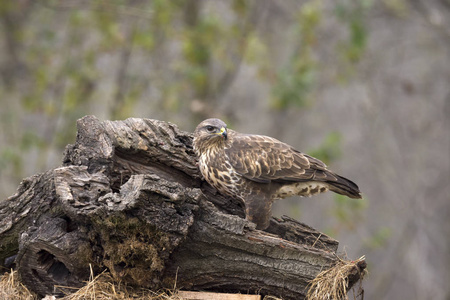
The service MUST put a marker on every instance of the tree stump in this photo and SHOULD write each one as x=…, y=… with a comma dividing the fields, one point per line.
x=129, y=198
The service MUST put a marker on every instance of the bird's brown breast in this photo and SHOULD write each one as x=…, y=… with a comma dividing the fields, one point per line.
x=219, y=173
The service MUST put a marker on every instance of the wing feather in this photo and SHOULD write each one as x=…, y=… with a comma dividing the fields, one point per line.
x=264, y=159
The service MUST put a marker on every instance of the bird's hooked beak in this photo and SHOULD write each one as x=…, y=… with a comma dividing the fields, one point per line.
x=223, y=132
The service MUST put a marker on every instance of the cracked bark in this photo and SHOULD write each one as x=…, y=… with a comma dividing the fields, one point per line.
x=129, y=198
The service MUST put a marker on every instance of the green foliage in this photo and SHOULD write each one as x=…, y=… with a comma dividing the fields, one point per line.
x=400, y=8
x=257, y=54
x=164, y=12
x=206, y=43
x=30, y=140
x=353, y=14
x=143, y=40
x=330, y=149
x=348, y=213
x=294, y=84
x=10, y=157
x=240, y=7
x=296, y=79
x=379, y=238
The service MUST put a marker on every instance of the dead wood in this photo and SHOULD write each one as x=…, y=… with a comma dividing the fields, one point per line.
x=129, y=198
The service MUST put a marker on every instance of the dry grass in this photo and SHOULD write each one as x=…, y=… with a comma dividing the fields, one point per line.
x=100, y=287
x=12, y=289
x=333, y=283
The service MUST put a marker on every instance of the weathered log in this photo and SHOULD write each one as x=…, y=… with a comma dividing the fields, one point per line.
x=129, y=198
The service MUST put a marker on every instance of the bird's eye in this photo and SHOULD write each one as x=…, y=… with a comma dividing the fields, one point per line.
x=210, y=128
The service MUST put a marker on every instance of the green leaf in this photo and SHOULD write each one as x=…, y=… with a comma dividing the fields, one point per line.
x=379, y=238
x=330, y=149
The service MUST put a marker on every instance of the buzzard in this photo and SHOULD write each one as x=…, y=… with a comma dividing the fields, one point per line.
x=259, y=169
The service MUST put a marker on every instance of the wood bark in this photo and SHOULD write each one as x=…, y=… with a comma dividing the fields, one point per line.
x=129, y=198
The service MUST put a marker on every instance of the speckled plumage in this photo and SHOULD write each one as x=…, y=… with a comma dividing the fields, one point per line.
x=259, y=169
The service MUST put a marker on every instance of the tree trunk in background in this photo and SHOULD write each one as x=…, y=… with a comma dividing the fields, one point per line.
x=130, y=198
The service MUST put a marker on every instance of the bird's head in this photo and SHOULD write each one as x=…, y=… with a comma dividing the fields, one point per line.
x=210, y=132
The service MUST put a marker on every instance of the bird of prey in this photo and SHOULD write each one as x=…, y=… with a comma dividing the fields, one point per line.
x=259, y=169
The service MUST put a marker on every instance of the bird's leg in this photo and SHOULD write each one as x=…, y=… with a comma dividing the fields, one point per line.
x=258, y=210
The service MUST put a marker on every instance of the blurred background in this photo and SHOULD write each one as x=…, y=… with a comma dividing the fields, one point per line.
x=364, y=85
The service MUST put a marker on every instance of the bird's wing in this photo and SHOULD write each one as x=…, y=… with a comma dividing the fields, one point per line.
x=263, y=159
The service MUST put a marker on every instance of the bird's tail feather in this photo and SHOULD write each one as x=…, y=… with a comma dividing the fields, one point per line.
x=345, y=187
